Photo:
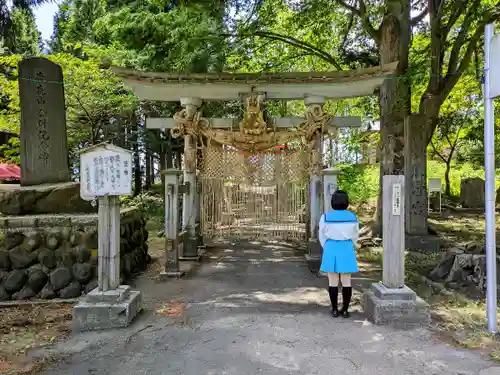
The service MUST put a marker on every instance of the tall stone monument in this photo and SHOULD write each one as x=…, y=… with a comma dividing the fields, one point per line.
x=45, y=187
x=391, y=301
x=44, y=145
x=416, y=225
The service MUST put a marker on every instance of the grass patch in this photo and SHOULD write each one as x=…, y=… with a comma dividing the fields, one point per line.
x=152, y=205
x=458, y=318
x=361, y=182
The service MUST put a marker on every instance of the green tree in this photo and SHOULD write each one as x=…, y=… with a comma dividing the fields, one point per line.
x=95, y=99
x=23, y=38
x=10, y=152
x=8, y=16
x=450, y=39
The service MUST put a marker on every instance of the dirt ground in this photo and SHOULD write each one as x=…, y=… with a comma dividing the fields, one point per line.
x=30, y=326
x=33, y=326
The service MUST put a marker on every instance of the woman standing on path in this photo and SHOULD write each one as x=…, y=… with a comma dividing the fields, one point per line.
x=338, y=233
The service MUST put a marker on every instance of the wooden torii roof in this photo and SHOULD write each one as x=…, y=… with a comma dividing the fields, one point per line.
x=276, y=86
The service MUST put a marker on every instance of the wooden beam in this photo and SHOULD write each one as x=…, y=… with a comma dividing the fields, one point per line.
x=172, y=92
x=276, y=86
x=183, y=79
x=281, y=122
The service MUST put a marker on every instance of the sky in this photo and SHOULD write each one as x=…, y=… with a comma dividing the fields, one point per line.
x=44, y=16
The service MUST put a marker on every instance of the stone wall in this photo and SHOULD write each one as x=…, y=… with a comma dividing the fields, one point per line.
x=55, y=256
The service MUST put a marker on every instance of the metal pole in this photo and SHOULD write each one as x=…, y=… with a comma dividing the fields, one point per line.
x=489, y=163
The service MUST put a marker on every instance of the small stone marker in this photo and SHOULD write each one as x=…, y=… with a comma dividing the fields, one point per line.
x=330, y=185
x=172, y=242
x=106, y=174
x=472, y=192
x=44, y=144
x=393, y=232
x=391, y=301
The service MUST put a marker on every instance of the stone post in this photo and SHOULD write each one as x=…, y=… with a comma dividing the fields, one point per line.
x=172, y=183
x=110, y=305
x=104, y=241
x=109, y=243
x=416, y=214
x=391, y=301
x=190, y=243
x=393, y=216
x=330, y=185
x=314, y=248
x=114, y=248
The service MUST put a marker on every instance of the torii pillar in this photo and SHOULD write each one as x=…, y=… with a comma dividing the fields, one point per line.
x=189, y=199
x=315, y=193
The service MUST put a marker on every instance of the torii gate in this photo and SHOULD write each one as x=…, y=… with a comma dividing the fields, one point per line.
x=312, y=87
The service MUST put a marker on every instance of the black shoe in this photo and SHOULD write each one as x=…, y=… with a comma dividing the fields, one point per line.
x=335, y=313
x=345, y=314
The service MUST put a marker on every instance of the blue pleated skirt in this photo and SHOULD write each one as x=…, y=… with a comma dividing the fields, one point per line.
x=339, y=257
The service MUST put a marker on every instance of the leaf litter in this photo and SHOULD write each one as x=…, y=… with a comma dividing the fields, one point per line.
x=28, y=327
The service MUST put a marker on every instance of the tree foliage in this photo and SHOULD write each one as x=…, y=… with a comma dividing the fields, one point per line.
x=13, y=15
x=94, y=97
x=437, y=42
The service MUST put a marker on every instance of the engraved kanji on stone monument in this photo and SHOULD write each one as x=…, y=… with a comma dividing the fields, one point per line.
x=44, y=145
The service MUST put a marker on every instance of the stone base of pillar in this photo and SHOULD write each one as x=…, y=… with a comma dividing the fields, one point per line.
x=104, y=310
x=313, y=256
x=190, y=247
x=199, y=236
x=400, y=307
x=171, y=275
x=424, y=242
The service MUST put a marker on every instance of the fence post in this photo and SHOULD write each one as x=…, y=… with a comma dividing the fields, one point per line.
x=330, y=185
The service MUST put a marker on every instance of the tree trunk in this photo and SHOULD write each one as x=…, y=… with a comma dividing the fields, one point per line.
x=447, y=187
x=153, y=174
x=120, y=136
x=147, y=171
x=178, y=157
x=169, y=158
x=137, y=159
x=163, y=161
x=394, y=94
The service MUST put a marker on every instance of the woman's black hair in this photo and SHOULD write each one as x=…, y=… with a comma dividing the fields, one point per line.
x=340, y=200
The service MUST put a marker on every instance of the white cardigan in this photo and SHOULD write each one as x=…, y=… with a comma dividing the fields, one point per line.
x=337, y=231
